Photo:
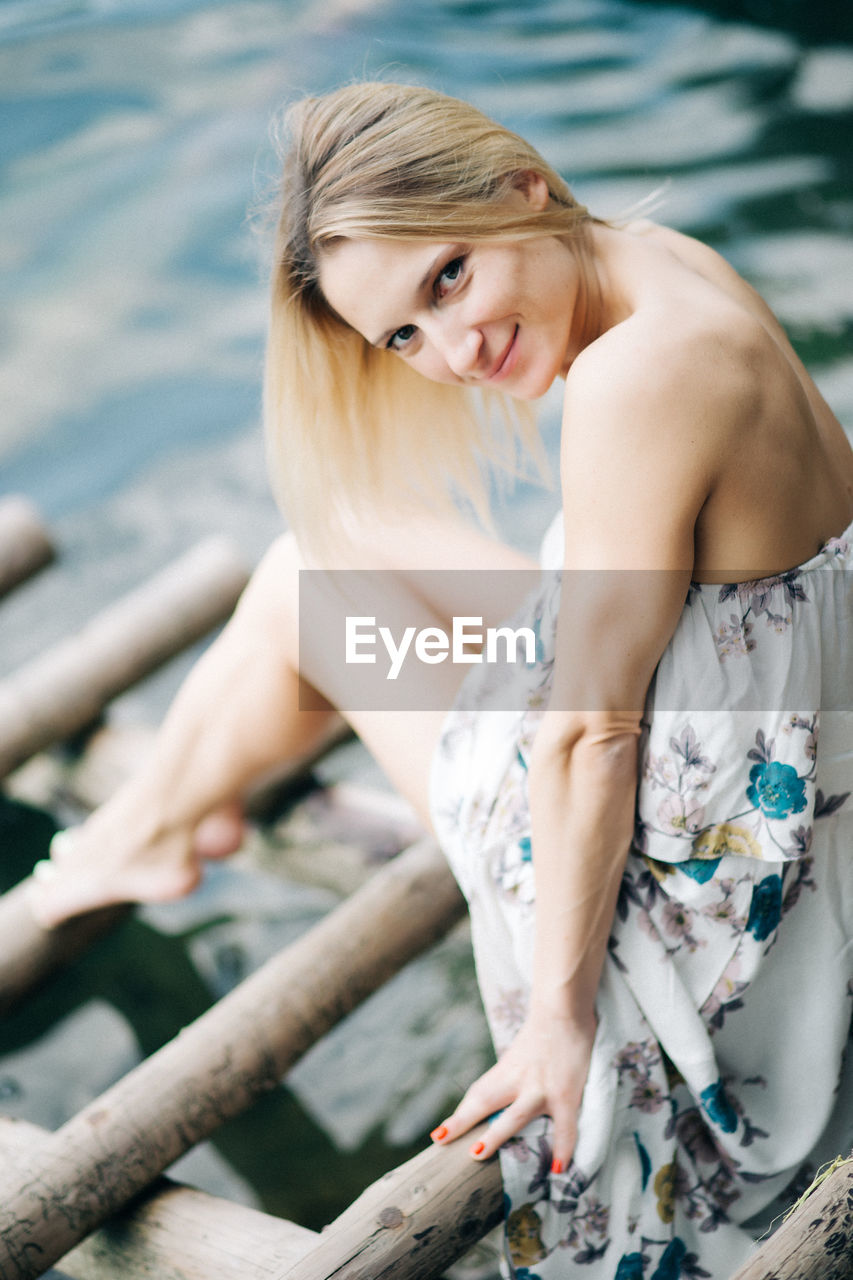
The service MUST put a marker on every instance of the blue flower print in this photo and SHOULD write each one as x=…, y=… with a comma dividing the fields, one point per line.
x=777, y=789
x=630, y=1267
x=645, y=1161
x=526, y=849
x=669, y=1267
x=718, y=1108
x=765, y=909
x=699, y=869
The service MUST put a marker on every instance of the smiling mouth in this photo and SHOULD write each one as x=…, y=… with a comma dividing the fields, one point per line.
x=507, y=360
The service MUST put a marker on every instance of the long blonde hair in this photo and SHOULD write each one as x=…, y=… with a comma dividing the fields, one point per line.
x=351, y=429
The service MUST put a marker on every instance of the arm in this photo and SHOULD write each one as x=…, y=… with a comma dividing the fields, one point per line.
x=632, y=494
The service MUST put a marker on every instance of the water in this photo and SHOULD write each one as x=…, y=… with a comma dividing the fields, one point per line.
x=133, y=139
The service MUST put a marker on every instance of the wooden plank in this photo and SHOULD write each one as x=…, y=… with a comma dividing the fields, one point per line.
x=173, y=1232
x=409, y=1225
x=412, y=1223
x=29, y=954
x=25, y=544
x=219, y=1065
x=67, y=688
x=815, y=1240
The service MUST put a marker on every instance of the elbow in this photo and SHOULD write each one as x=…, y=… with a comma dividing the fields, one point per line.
x=602, y=747
x=613, y=759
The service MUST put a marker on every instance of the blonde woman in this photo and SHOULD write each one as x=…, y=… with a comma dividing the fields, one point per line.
x=655, y=830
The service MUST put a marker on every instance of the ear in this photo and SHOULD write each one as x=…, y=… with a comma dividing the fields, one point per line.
x=533, y=187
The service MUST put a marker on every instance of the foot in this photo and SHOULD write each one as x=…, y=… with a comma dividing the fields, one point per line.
x=90, y=866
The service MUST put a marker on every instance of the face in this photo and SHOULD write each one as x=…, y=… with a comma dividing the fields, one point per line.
x=494, y=314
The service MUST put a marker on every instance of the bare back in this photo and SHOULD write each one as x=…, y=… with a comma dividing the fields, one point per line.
x=784, y=478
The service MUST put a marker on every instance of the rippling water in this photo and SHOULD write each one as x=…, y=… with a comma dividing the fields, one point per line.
x=133, y=139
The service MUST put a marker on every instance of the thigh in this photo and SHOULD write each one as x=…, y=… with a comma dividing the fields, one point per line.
x=415, y=578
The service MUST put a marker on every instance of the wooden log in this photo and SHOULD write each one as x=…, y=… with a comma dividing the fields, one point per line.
x=174, y=1232
x=25, y=545
x=220, y=1064
x=66, y=688
x=30, y=954
x=412, y=1223
x=815, y=1240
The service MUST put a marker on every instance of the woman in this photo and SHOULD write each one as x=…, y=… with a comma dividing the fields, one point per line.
x=686, y=943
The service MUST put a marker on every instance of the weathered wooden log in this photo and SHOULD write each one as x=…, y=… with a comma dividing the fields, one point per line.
x=25, y=544
x=174, y=1232
x=815, y=1240
x=220, y=1064
x=66, y=688
x=412, y=1223
x=29, y=954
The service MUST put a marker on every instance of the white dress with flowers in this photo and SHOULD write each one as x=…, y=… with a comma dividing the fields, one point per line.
x=717, y=1084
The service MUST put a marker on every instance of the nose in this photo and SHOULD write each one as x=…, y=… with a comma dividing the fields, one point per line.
x=460, y=346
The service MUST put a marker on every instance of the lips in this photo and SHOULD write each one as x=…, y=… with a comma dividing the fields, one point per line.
x=506, y=361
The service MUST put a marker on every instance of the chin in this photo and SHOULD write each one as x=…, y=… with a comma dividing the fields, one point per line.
x=534, y=389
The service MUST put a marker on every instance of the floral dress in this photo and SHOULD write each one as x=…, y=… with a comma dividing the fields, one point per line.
x=717, y=1083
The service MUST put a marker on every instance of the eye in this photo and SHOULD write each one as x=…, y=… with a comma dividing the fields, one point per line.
x=449, y=274
x=400, y=337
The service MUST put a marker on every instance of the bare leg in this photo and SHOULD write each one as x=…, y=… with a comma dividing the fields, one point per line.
x=235, y=717
x=243, y=710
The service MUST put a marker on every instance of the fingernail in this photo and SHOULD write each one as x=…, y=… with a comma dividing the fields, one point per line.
x=439, y=1134
x=556, y=1166
x=44, y=871
x=478, y=1148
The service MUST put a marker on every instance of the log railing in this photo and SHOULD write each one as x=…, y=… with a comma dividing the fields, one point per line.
x=25, y=544
x=66, y=688
x=221, y=1063
x=410, y=1225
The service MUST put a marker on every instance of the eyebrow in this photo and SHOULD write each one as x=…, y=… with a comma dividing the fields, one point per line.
x=382, y=340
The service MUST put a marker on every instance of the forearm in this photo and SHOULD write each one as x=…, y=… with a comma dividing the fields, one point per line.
x=582, y=813
x=581, y=808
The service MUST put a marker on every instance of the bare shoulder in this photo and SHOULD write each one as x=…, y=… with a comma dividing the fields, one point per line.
x=695, y=253
x=651, y=410
x=710, y=266
x=671, y=377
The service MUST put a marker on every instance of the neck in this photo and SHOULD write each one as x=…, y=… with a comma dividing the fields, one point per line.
x=601, y=305
x=588, y=309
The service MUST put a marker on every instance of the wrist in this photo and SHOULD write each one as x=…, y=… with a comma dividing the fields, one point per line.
x=563, y=1004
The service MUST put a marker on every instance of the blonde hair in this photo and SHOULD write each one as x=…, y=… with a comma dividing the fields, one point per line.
x=351, y=428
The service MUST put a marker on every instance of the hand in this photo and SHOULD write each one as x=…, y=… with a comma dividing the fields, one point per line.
x=543, y=1072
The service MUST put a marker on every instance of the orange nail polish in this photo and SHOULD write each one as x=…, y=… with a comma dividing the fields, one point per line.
x=478, y=1148
x=439, y=1134
x=556, y=1166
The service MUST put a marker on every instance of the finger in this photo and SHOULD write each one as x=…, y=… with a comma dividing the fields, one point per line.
x=485, y=1096
x=564, y=1137
x=62, y=846
x=508, y=1124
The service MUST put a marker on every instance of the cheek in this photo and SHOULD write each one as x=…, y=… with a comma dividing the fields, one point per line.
x=430, y=365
